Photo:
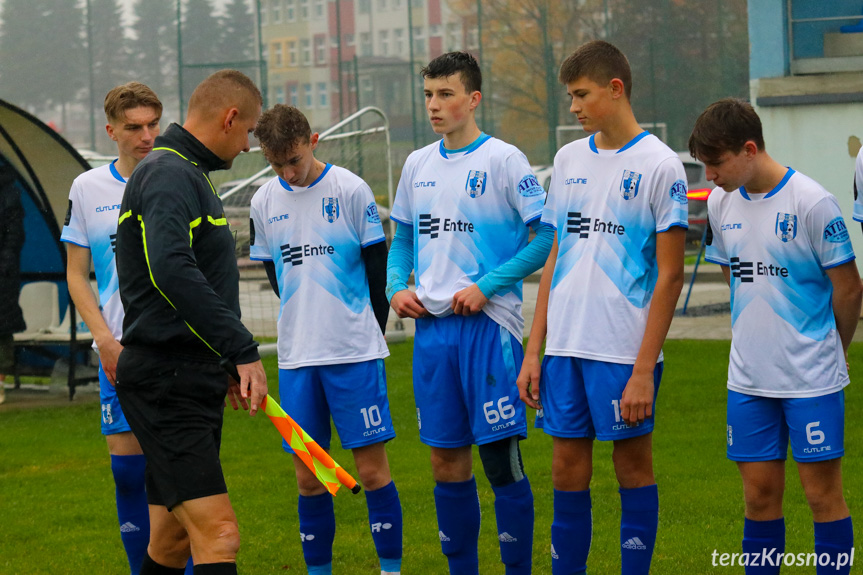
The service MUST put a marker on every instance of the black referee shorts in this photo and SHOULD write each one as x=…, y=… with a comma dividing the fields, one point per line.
x=175, y=407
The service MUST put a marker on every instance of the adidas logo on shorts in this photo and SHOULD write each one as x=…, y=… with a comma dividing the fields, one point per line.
x=506, y=538
x=129, y=527
x=634, y=544
x=442, y=536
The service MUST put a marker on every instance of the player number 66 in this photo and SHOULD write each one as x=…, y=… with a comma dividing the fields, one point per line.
x=504, y=410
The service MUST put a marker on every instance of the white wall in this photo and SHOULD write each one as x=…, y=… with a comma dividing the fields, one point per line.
x=814, y=140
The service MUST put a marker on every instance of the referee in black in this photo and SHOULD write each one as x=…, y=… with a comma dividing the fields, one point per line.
x=179, y=284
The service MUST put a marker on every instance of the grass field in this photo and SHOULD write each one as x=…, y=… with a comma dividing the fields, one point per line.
x=57, y=507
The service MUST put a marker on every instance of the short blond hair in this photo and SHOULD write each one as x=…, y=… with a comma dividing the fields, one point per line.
x=128, y=96
x=225, y=89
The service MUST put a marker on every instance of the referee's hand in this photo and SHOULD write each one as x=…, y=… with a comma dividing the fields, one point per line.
x=253, y=384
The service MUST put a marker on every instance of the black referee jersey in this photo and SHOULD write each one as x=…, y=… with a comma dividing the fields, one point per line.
x=178, y=275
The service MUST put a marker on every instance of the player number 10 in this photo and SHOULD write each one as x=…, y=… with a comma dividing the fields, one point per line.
x=371, y=416
x=504, y=410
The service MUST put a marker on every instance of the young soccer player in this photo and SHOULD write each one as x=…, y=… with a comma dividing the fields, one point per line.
x=133, y=111
x=316, y=228
x=463, y=209
x=795, y=301
x=606, y=299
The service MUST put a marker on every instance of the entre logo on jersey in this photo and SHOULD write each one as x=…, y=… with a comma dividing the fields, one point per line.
x=294, y=254
x=579, y=224
x=432, y=226
x=745, y=271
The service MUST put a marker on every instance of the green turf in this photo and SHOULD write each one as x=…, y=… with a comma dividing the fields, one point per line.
x=57, y=505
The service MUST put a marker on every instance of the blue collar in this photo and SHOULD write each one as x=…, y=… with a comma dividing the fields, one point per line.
x=482, y=139
x=288, y=187
x=628, y=145
x=775, y=190
x=115, y=173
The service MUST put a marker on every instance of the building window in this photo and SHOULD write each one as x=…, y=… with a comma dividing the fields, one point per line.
x=399, y=40
x=292, y=52
x=453, y=37
x=472, y=38
x=434, y=30
x=276, y=51
x=295, y=97
x=322, y=94
x=280, y=94
x=306, y=51
x=291, y=10
x=365, y=6
x=320, y=50
x=319, y=8
x=384, y=41
x=304, y=9
x=382, y=4
x=276, y=7
x=265, y=12
x=349, y=39
x=307, y=90
x=419, y=40
x=365, y=44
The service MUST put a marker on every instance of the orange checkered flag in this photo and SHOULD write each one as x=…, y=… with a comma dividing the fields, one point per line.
x=313, y=455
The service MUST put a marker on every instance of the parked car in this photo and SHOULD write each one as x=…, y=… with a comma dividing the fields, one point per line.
x=95, y=159
x=699, y=189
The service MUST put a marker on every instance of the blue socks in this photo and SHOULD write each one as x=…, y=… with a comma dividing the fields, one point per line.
x=513, y=507
x=385, y=520
x=571, y=532
x=458, y=518
x=835, y=538
x=760, y=538
x=639, y=520
x=132, y=510
x=317, y=530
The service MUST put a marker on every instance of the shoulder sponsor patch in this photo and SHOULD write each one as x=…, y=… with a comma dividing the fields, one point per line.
x=529, y=187
x=678, y=192
x=836, y=232
x=372, y=214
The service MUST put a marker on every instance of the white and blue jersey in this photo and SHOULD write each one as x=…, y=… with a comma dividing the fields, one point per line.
x=315, y=236
x=858, y=187
x=91, y=222
x=778, y=245
x=607, y=207
x=469, y=209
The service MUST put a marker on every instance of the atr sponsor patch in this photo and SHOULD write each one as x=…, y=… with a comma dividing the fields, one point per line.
x=836, y=232
x=678, y=192
x=529, y=187
x=372, y=214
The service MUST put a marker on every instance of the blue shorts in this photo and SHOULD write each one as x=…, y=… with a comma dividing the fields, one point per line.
x=113, y=420
x=465, y=369
x=759, y=427
x=354, y=394
x=581, y=398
